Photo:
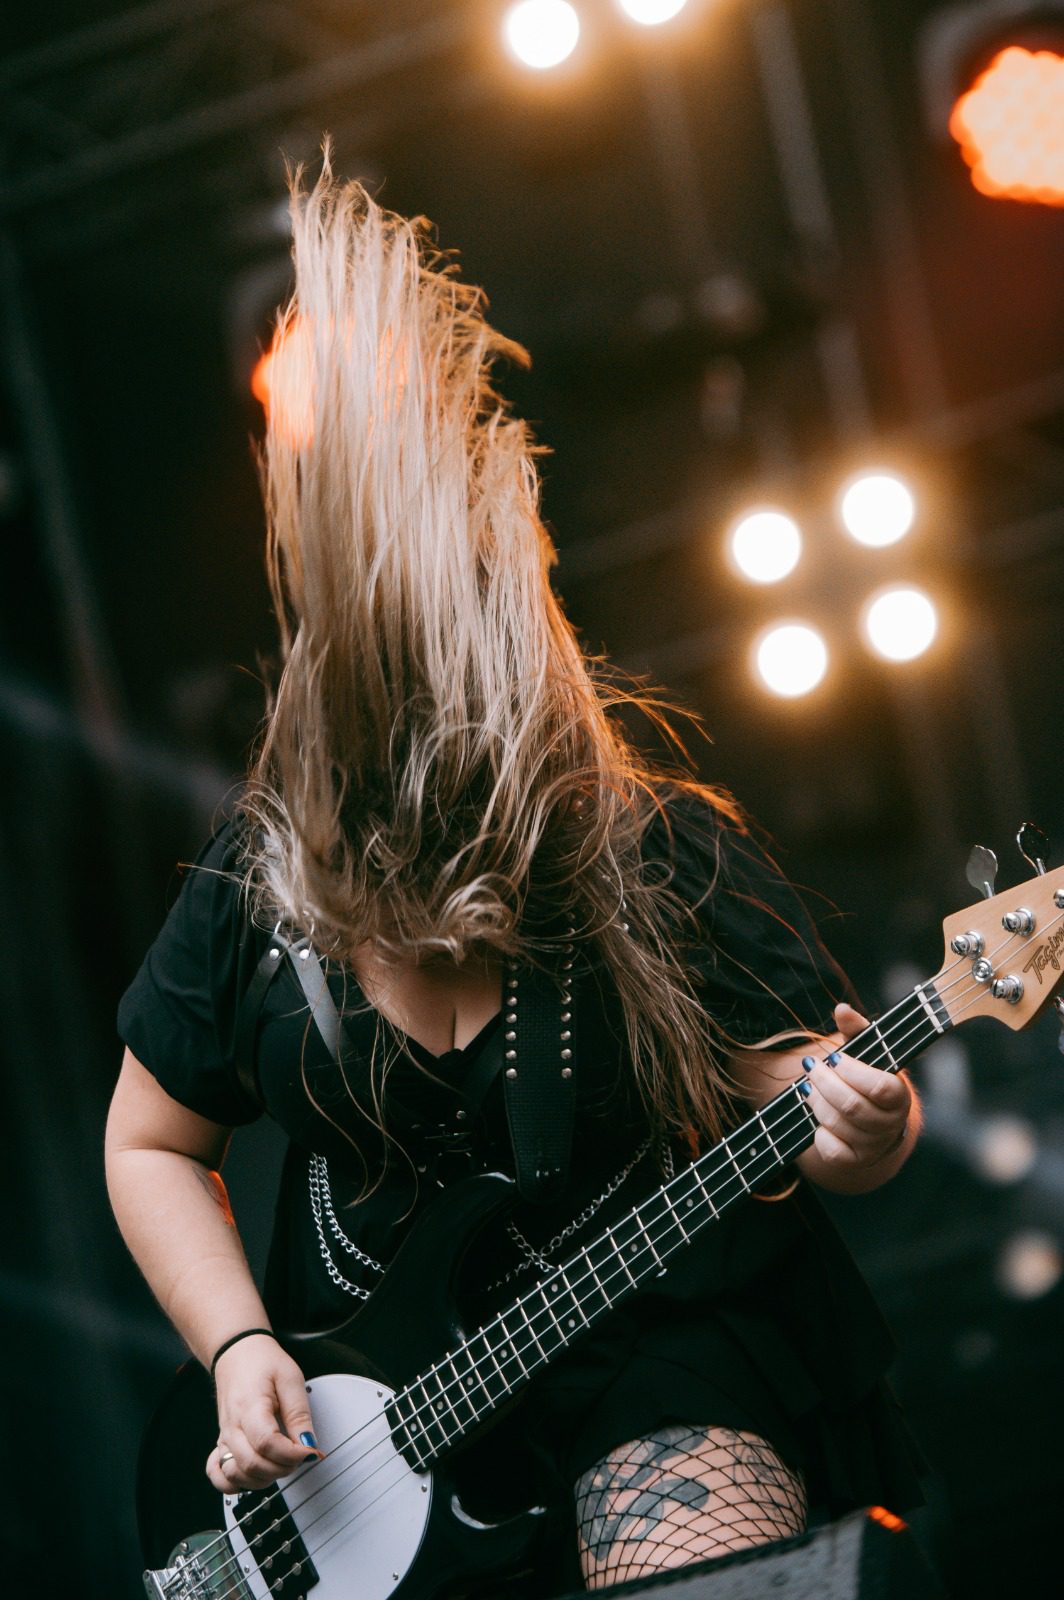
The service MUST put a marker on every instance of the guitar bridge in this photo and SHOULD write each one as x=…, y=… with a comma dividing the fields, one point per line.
x=201, y=1568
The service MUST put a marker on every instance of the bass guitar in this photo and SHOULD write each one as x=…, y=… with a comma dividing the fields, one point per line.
x=393, y=1394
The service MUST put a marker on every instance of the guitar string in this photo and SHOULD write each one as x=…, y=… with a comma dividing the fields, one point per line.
x=649, y=1270
x=729, y=1181
x=919, y=1016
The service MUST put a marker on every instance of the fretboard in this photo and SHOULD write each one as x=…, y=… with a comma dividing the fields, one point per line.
x=444, y=1404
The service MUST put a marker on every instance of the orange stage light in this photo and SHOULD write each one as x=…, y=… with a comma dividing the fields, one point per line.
x=282, y=382
x=1010, y=127
x=886, y=1519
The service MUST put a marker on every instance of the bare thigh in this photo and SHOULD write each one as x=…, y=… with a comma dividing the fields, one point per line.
x=682, y=1494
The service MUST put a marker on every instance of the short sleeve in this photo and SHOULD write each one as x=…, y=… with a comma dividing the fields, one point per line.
x=178, y=1016
x=760, y=963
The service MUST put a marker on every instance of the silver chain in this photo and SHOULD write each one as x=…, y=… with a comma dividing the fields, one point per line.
x=539, y=1258
x=321, y=1205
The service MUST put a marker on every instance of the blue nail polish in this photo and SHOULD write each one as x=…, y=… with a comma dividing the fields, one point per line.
x=804, y=1086
x=808, y=1063
x=311, y=1457
x=833, y=1059
x=309, y=1440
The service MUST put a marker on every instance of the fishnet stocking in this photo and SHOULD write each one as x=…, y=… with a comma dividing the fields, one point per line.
x=682, y=1494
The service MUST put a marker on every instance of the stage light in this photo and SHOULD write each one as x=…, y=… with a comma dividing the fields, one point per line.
x=765, y=545
x=1006, y=1150
x=877, y=508
x=790, y=659
x=1010, y=127
x=900, y=622
x=541, y=33
x=1029, y=1265
x=283, y=383
x=651, y=12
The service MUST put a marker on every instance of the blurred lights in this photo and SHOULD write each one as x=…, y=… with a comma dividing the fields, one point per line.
x=651, y=12
x=900, y=623
x=541, y=33
x=1007, y=1150
x=765, y=546
x=1030, y=1265
x=790, y=659
x=877, y=508
x=1010, y=127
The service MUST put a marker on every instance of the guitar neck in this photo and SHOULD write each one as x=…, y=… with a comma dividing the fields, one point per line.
x=444, y=1404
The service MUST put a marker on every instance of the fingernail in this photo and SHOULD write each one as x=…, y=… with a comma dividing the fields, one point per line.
x=804, y=1086
x=808, y=1063
x=309, y=1440
x=833, y=1059
x=314, y=1456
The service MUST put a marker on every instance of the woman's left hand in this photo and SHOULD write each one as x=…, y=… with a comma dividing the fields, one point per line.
x=862, y=1111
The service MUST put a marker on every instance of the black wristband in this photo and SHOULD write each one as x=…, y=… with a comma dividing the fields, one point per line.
x=236, y=1338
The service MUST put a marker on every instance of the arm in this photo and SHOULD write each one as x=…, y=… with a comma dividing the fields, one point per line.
x=869, y=1119
x=172, y=1209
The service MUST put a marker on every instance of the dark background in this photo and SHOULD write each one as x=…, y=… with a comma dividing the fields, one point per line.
x=746, y=258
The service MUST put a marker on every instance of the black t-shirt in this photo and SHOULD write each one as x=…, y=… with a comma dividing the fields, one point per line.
x=764, y=1293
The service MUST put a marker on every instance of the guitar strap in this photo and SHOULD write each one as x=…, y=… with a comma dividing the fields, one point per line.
x=531, y=1050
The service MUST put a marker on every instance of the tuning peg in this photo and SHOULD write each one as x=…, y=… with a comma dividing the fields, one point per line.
x=982, y=870
x=1034, y=846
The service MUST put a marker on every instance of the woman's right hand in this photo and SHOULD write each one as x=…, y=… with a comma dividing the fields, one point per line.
x=265, y=1430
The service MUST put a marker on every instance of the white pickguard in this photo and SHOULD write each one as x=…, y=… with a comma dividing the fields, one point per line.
x=361, y=1512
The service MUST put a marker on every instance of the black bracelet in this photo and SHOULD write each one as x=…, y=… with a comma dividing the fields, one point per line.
x=247, y=1333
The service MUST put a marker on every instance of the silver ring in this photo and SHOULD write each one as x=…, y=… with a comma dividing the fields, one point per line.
x=227, y=1456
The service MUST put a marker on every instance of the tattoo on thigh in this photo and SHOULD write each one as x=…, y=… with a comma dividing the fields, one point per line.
x=682, y=1494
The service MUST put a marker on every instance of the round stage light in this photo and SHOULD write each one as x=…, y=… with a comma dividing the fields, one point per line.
x=790, y=659
x=1030, y=1264
x=765, y=545
x=651, y=12
x=900, y=622
x=541, y=33
x=1006, y=1150
x=877, y=508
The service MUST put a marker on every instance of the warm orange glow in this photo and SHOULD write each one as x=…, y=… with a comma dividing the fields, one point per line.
x=283, y=383
x=886, y=1519
x=1010, y=127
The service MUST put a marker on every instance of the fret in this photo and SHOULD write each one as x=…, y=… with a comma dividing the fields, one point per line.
x=480, y=1355
x=599, y=1285
x=735, y=1165
x=495, y=1364
x=619, y=1256
x=555, y=1325
x=767, y=1131
x=528, y=1323
x=439, y=1408
x=684, y=1235
x=706, y=1196
x=444, y=1401
x=893, y=1065
x=649, y=1240
x=510, y=1348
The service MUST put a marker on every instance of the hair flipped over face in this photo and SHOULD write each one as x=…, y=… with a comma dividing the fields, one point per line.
x=441, y=772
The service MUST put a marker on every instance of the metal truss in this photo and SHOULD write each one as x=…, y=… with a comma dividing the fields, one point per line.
x=169, y=78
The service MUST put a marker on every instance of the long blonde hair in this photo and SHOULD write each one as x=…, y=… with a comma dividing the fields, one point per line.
x=442, y=771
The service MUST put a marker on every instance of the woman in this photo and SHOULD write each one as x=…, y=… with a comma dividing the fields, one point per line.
x=441, y=790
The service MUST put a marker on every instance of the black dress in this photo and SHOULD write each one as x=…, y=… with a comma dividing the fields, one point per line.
x=763, y=1324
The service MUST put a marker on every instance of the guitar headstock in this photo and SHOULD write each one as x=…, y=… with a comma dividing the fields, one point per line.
x=1005, y=955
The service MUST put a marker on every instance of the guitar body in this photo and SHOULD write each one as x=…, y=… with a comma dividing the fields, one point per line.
x=371, y=1525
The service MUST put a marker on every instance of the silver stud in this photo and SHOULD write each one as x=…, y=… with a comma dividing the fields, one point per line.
x=567, y=1016
x=275, y=953
x=566, y=997
x=566, y=1034
x=511, y=1035
x=567, y=1055
x=511, y=1055
x=567, y=1072
x=567, y=966
x=624, y=927
x=511, y=1072
x=303, y=954
x=511, y=1016
x=459, y=1116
